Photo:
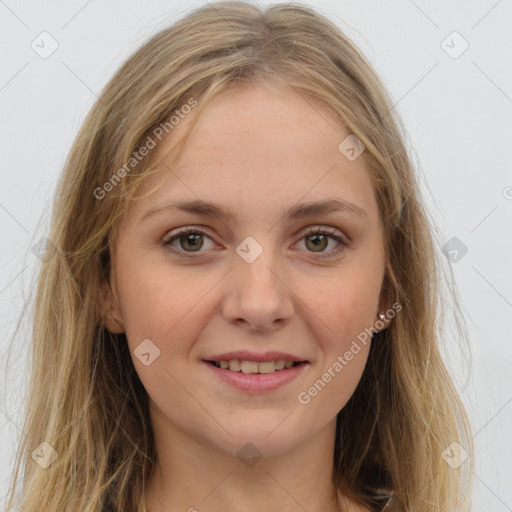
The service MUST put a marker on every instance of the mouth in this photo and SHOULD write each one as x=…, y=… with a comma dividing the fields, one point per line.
x=256, y=376
x=252, y=367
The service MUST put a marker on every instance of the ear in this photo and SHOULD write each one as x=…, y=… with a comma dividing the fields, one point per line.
x=112, y=315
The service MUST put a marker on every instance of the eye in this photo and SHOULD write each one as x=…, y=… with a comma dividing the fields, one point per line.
x=187, y=238
x=317, y=239
x=188, y=241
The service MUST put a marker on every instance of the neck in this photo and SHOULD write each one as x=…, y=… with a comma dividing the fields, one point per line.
x=193, y=475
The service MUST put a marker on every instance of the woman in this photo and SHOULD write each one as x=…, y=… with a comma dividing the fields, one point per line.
x=240, y=311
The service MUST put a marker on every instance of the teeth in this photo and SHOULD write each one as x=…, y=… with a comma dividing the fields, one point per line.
x=280, y=364
x=266, y=367
x=249, y=366
x=235, y=365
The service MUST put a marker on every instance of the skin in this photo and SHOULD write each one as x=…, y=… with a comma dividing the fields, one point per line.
x=258, y=150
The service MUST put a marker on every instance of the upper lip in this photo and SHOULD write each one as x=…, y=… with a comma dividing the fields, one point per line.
x=244, y=355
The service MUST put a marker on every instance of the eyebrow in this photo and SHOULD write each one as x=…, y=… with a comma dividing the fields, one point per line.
x=298, y=211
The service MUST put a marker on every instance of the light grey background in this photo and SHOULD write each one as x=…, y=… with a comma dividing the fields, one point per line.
x=458, y=113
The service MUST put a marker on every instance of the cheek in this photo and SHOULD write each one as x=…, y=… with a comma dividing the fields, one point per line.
x=162, y=310
x=157, y=300
x=332, y=386
x=344, y=305
x=343, y=310
x=170, y=308
x=334, y=382
x=347, y=370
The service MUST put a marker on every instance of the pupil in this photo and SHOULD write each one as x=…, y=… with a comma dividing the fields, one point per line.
x=194, y=243
x=318, y=240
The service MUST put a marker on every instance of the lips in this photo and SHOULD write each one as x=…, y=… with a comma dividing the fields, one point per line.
x=251, y=362
x=256, y=373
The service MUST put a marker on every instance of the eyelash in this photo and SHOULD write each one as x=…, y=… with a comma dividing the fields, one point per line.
x=330, y=232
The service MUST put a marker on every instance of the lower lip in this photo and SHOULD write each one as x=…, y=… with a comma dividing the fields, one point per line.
x=258, y=382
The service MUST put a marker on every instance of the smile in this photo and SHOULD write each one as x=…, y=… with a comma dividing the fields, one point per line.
x=236, y=365
x=256, y=376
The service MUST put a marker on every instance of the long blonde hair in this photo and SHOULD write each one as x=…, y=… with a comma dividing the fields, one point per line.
x=84, y=396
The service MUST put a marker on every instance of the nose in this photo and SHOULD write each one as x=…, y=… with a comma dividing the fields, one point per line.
x=259, y=297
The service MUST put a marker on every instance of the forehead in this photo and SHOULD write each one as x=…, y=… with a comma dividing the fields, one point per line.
x=259, y=146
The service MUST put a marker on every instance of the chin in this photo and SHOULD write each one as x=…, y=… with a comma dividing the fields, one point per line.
x=251, y=447
x=260, y=437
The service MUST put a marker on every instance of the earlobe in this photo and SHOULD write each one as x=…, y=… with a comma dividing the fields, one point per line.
x=111, y=312
x=385, y=312
x=382, y=322
x=115, y=326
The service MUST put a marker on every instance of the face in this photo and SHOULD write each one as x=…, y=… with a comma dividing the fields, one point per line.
x=272, y=279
